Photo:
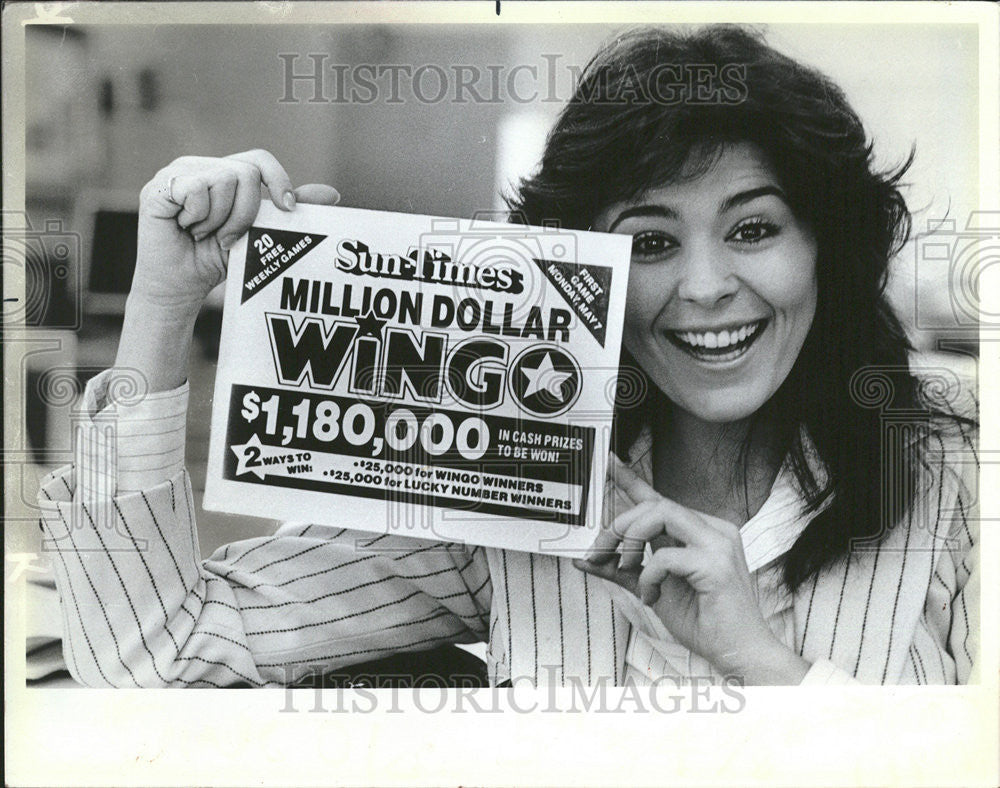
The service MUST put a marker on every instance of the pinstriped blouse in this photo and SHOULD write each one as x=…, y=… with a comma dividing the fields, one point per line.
x=140, y=607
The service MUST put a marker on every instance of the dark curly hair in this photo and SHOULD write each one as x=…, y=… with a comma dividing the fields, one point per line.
x=636, y=122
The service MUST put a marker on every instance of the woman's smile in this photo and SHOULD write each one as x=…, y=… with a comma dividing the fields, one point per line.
x=718, y=345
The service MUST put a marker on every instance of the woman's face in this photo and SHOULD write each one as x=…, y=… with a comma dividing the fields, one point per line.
x=722, y=289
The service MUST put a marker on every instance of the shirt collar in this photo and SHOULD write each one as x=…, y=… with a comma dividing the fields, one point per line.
x=772, y=531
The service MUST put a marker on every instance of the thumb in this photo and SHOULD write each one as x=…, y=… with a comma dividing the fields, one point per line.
x=317, y=194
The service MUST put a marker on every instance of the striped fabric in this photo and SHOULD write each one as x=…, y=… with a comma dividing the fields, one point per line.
x=140, y=607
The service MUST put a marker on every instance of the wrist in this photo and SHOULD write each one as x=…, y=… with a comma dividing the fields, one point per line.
x=769, y=663
x=174, y=313
x=156, y=342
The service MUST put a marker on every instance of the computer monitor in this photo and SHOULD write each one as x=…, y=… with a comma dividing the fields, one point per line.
x=108, y=223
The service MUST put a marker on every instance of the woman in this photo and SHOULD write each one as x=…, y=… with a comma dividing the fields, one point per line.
x=766, y=525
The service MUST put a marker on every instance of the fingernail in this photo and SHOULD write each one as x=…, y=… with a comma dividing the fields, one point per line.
x=199, y=236
x=336, y=197
x=227, y=242
x=289, y=200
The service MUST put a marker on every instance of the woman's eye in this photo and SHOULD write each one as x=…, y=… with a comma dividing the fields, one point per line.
x=753, y=231
x=651, y=244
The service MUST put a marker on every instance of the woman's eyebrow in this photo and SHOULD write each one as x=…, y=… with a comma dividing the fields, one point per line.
x=733, y=201
x=742, y=198
x=643, y=210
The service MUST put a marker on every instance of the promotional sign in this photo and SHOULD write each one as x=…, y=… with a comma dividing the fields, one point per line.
x=442, y=378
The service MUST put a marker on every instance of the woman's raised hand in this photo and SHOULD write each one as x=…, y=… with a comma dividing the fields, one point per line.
x=192, y=212
x=696, y=581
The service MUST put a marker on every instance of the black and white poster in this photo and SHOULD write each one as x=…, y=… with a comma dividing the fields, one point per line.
x=501, y=393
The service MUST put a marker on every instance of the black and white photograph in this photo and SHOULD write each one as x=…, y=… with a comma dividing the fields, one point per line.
x=493, y=392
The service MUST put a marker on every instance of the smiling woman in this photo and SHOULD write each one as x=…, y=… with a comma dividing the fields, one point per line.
x=766, y=523
x=762, y=237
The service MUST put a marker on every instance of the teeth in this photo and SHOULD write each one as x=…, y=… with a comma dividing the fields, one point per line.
x=720, y=339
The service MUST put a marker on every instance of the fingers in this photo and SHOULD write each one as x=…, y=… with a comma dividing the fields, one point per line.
x=613, y=463
x=317, y=194
x=221, y=195
x=664, y=562
x=634, y=528
x=633, y=485
x=667, y=561
x=670, y=518
x=272, y=174
x=607, y=541
x=245, y=205
x=651, y=519
x=190, y=192
x=645, y=528
x=604, y=548
x=629, y=580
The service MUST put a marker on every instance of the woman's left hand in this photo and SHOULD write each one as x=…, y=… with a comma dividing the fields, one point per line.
x=696, y=581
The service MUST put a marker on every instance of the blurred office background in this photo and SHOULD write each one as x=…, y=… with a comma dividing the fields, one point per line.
x=108, y=106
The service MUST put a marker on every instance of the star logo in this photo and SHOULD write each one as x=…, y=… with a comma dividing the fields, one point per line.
x=545, y=381
x=547, y=377
x=248, y=457
x=370, y=326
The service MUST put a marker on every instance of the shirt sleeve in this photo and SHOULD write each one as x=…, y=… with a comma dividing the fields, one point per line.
x=825, y=673
x=124, y=445
x=141, y=609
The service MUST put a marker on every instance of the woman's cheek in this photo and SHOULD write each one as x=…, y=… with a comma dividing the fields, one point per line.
x=794, y=271
x=640, y=312
x=644, y=298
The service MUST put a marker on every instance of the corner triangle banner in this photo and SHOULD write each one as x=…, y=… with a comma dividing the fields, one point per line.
x=270, y=253
x=586, y=288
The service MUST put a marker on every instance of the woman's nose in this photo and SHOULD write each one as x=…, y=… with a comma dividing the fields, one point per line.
x=706, y=277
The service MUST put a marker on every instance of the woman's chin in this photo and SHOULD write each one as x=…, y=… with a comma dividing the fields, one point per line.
x=718, y=408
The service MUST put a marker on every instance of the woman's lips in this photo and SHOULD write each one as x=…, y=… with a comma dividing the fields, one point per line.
x=718, y=345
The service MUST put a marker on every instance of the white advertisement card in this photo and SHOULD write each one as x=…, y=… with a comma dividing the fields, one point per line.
x=440, y=378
